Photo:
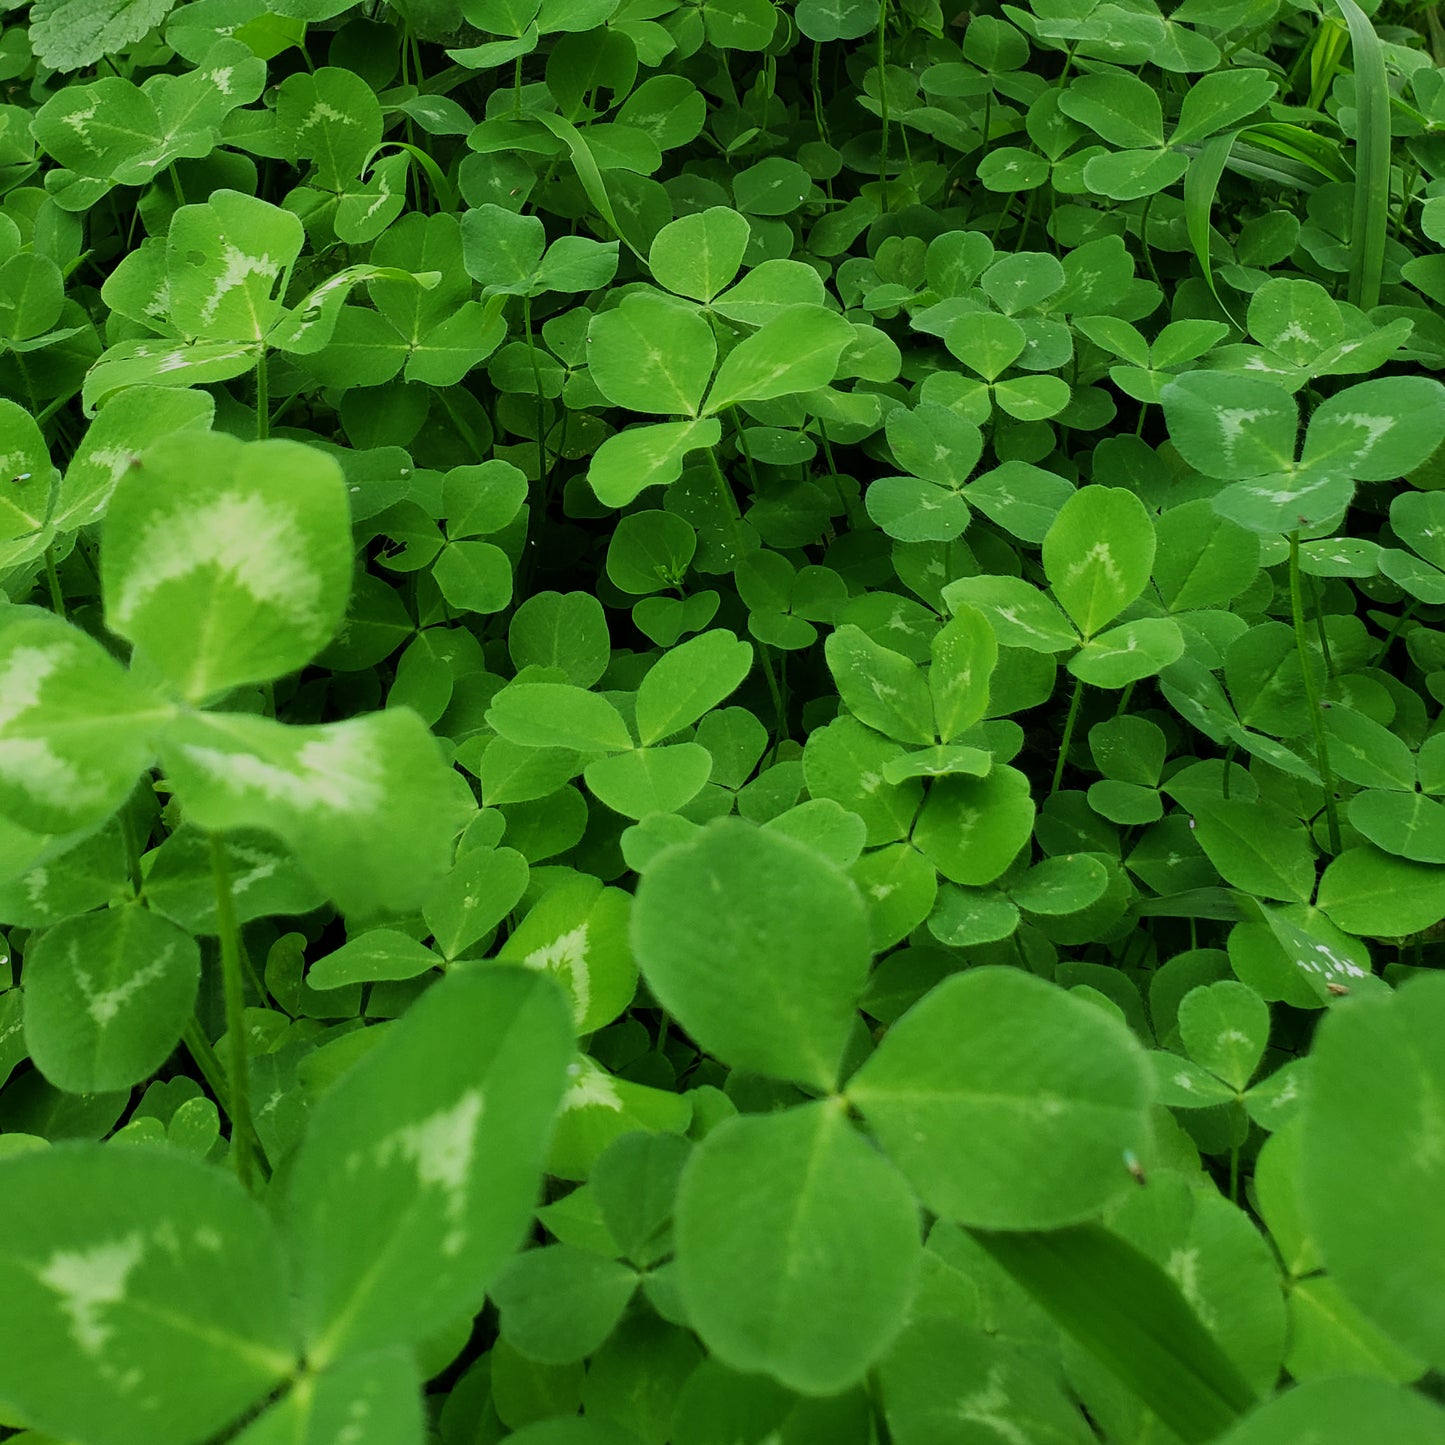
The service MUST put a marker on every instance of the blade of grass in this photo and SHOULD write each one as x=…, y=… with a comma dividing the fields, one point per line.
x=1201, y=185
x=1372, y=158
x=1126, y=1311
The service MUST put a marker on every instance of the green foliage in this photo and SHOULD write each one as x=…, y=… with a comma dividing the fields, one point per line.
x=743, y=700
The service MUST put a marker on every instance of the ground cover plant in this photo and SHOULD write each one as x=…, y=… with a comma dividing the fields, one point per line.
x=721, y=722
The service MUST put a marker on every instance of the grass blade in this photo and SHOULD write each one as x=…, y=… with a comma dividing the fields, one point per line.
x=1201, y=184
x=1372, y=158
x=1124, y=1309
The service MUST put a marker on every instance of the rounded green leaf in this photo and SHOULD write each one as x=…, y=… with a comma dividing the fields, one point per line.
x=758, y=947
x=1129, y=652
x=1119, y=107
x=227, y=562
x=650, y=551
x=368, y=805
x=421, y=1166
x=558, y=715
x=1098, y=554
x=688, y=681
x=797, y=1247
x=370, y=957
x=1061, y=885
x=880, y=687
x=1225, y=1027
x=1258, y=847
x=1341, y=1412
x=966, y=916
x=630, y=461
x=75, y=727
x=106, y=997
x=1007, y=1102
x=971, y=829
x=650, y=780
x=1370, y=893
x=698, y=255
x=1229, y=426
x=224, y=260
x=483, y=887
x=798, y=351
x=1408, y=825
x=559, y=1304
x=964, y=652
x=1377, y=430
x=474, y=576
x=145, y=1295
x=1374, y=1132
x=934, y=442
x=912, y=510
x=651, y=355
x=565, y=630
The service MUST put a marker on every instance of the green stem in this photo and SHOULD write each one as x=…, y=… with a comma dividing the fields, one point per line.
x=201, y=1051
x=1124, y=697
x=1228, y=759
x=1394, y=632
x=235, y=993
x=819, y=116
x=131, y=844
x=1322, y=761
x=742, y=442
x=725, y=491
x=883, y=96
x=883, y=1435
x=1068, y=734
x=41, y=417
x=1319, y=616
x=263, y=397
x=537, y=385
x=779, y=705
x=213, y=1072
x=57, y=596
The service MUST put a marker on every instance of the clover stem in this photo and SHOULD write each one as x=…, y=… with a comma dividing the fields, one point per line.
x=883, y=97
x=1228, y=759
x=827, y=449
x=214, y=1074
x=1317, y=608
x=743, y=446
x=777, y=693
x=57, y=595
x=1124, y=697
x=819, y=116
x=537, y=383
x=1068, y=734
x=882, y=1434
x=1394, y=632
x=1312, y=699
x=263, y=397
x=1144, y=243
x=131, y=844
x=724, y=489
x=235, y=994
